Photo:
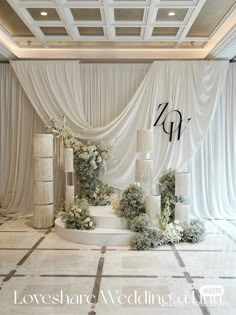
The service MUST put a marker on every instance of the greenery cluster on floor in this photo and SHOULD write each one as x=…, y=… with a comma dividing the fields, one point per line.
x=89, y=162
x=166, y=230
x=77, y=217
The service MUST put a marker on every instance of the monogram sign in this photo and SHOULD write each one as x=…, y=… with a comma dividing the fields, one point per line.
x=164, y=119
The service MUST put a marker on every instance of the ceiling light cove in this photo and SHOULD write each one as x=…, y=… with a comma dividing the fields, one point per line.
x=171, y=13
x=43, y=13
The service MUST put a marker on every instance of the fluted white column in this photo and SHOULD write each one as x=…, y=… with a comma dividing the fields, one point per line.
x=43, y=211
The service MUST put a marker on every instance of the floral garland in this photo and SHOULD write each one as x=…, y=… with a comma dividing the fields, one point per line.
x=89, y=161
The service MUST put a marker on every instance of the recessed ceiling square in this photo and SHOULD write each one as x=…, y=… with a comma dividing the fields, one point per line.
x=165, y=31
x=209, y=17
x=179, y=14
x=128, y=31
x=86, y=14
x=11, y=22
x=54, y=31
x=52, y=14
x=121, y=14
x=91, y=31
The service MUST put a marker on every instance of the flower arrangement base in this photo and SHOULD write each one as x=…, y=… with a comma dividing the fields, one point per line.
x=98, y=236
x=105, y=218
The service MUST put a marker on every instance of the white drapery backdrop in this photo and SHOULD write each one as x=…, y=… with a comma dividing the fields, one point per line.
x=88, y=101
x=213, y=166
x=192, y=87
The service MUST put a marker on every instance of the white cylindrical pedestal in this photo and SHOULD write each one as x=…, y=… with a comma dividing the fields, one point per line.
x=42, y=145
x=182, y=184
x=153, y=206
x=144, y=141
x=43, y=193
x=182, y=212
x=143, y=170
x=43, y=169
x=69, y=160
x=69, y=196
x=43, y=216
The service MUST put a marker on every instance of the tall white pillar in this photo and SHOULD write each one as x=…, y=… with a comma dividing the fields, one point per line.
x=43, y=210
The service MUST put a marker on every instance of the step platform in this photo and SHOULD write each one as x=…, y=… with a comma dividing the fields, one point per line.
x=110, y=230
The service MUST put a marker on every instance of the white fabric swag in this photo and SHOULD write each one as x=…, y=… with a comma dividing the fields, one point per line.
x=192, y=87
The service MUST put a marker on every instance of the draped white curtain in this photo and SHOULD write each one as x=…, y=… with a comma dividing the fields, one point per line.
x=213, y=166
x=192, y=87
x=18, y=123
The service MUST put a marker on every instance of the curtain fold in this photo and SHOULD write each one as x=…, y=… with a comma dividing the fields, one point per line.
x=213, y=166
x=192, y=87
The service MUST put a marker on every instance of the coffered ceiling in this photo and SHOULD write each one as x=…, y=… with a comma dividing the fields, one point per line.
x=146, y=29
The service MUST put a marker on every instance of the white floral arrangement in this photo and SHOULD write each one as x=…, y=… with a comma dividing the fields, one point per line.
x=77, y=218
x=89, y=160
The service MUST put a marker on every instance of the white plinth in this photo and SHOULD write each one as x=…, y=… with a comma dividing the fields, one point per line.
x=42, y=145
x=68, y=160
x=143, y=170
x=43, y=169
x=153, y=206
x=182, y=212
x=43, y=193
x=69, y=196
x=98, y=236
x=105, y=218
x=144, y=140
x=182, y=184
x=43, y=216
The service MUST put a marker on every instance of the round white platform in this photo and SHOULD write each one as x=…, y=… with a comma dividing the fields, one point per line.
x=106, y=219
x=98, y=236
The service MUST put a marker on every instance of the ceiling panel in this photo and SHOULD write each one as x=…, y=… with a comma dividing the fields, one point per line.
x=11, y=22
x=165, y=31
x=209, y=17
x=86, y=14
x=54, y=31
x=113, y=23
x=163, y=14
x=52, y=14
x=128, y=31
x=128, y=14
x=91, y=31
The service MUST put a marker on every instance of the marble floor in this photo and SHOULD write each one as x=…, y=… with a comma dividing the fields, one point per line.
x=43, y=274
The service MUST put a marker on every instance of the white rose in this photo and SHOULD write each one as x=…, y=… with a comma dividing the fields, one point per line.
x=91, y=223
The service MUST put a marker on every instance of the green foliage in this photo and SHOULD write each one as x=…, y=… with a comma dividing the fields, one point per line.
x=141, y=241
x=102, y=195
x=78, y=217
x=195, y=232
x=167, y=191
x=132, y=202
x=140, y=223
x=146, y=239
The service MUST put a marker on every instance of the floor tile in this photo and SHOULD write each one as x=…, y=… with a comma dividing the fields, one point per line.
x=19, y=290
x=19, y=239
x=18, y=225
x=61, y=262
x=210, y=264
x=211, y=242
x=53, y=241
x=9, y=259
x=141, y=263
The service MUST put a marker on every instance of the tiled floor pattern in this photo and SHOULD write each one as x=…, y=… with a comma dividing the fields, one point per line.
x=36, y=264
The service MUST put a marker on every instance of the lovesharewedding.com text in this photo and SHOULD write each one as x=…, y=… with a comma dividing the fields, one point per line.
x=116, y=297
